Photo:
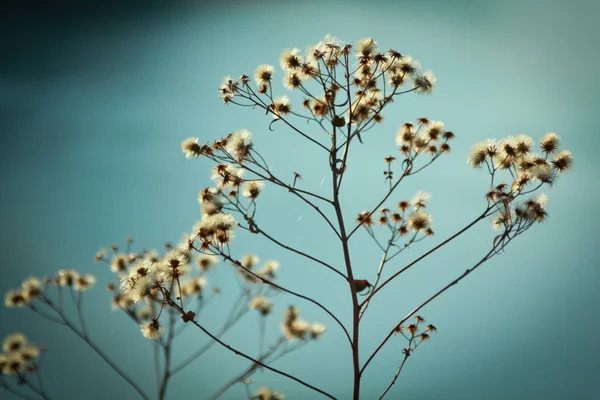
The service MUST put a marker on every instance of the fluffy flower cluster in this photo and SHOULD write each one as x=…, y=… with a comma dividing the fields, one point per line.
x=250, y=261
x=410, y=217
x=147, y=278
x=295, y=328
x=528, y=172
x=33, y=287
x=375, y=78
x=18, y=356
x=430, y=137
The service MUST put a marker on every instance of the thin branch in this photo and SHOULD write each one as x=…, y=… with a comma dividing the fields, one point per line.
x=263, y=280
x=406, y=355
x=98, y=351
x=293, y=250
x=413, y=312
x=476, y=220
x=241, y=354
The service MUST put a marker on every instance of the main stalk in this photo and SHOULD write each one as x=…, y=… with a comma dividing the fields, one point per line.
x=344, y=240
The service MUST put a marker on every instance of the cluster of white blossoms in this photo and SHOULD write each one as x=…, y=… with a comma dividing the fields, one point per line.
x=426, y=136
x=373, y=78
x=410, y=217
x=295, y=328
x=528, y=171
x=265, y=393
x=249, y=262
x=33, y=288
x=147, y=278
x=18, y=356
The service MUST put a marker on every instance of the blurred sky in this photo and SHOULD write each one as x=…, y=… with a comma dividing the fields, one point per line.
x=95, y=101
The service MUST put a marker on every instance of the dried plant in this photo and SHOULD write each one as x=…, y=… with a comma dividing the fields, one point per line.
x=344, y=91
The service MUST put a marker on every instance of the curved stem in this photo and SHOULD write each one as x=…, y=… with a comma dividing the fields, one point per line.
x=241, y=354
x=457, y=234
x=439, y=292
x=263, y=280
x=98, y=351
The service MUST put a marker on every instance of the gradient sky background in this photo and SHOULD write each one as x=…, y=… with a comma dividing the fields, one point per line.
x=95, y=103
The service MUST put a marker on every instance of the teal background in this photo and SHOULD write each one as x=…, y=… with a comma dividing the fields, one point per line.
x=95, y=102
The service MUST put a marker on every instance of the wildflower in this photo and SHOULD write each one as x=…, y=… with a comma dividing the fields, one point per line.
x=316, y=330
x=419, y=319
x=30, y=352
x=550, y=142
x=297, y=329
x=173, y=266
x=424, y=82
x=249, y=261
x=478, y=154
x=563, y=161
x=66, y=277
x=151, y=330
x=211, y=205
x=435, y=130
x=119, y=263
x=263, y=75
x=293, y=80
x=320, y=106
x=419, y=220
x=269, y=269
x=226, y=175
x=420, y=200
x=403, y=205
x=536, y=208
x=84, y=282
x=32, y=287
x=100, y=255
x=544, y=173
x=139, y=282
x=261, y=304
x=14, y=364
x=16, y=298
x=207, y=261
x=289, y=59
x=366, y=47
x=424, y=337
x=194, y=287
x=412, y=329
x=431, y=328
x=240, y=144
x=398, y=329
x=190, y=147
x=281, y=106
x=523, y=143
x=365, y=219
x=252, y=189
x=408, y=66
x=13, y=342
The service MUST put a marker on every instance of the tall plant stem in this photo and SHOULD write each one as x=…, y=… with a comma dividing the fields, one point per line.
x=349, y=274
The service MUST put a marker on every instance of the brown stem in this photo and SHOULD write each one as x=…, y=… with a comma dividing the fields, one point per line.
x=246, y=373
x=457, y=234
x=239, y=353
x=413, y=312
x=266, y=281
x=167, y=356
x=346, y=250
x=393, y=382
x=98, y=351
